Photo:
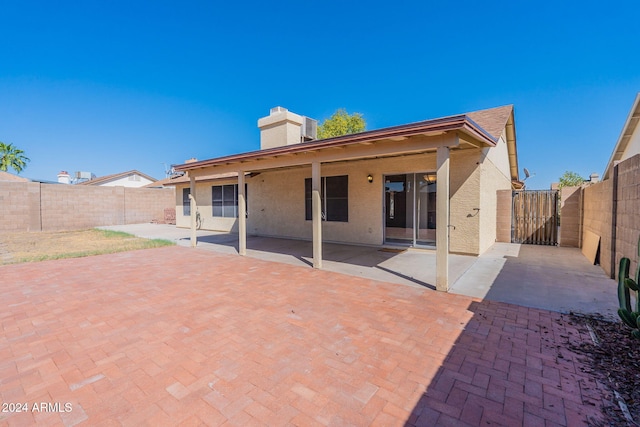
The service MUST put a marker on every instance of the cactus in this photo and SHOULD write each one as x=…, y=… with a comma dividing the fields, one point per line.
x=626, y=286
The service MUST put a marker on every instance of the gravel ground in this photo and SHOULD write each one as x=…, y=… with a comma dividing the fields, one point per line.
x=614, y=357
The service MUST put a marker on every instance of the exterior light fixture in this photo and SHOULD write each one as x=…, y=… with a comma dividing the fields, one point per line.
x=370, y=178
x=430, y=178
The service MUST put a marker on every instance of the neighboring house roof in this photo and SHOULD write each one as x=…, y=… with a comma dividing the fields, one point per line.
x=630, y=127
x=6, y=176
x=480, y=129
x=9, y=177
x=107, y=178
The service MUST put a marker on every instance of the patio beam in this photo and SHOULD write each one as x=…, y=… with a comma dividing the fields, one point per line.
x=442, y=220
x=193, y=208
x=242, y=215
x=357, y=151
x=316, y=214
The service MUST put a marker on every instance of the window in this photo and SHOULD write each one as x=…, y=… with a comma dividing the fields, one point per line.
x=186, y=203
x=334, y=198
x=224, y=200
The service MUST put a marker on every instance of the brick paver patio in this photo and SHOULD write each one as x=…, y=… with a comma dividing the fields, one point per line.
x=180, y=336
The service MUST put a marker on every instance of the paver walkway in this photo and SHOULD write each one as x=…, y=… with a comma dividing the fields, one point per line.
x=176, y=335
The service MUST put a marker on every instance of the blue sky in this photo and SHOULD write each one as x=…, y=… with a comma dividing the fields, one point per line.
x=112, y=86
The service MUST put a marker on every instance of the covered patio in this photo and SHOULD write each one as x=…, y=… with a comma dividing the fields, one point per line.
x=433, y=140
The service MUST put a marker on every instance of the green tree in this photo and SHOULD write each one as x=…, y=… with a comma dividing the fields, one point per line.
x=12, y=157
x=570, y=179
x=341, y=123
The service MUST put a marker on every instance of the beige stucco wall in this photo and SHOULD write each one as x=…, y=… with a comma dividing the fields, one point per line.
x=492, y=179
x=204, y=198
x=276, y=200
x=280, y=127
x=477, y=176
x=278, y=206
x=499, y=157
x=465, y=196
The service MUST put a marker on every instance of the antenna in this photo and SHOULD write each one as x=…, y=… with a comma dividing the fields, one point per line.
x=167, y=171
x=526, y=173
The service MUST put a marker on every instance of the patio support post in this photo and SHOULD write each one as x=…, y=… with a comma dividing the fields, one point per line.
x=316, y=214
x=242, y=216
x=193, y=209
x=442, y=220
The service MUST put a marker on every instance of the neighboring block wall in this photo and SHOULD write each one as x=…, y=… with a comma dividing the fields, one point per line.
x=67, y=207
x=146, y=204
x=16, y=204
x=628, y=211
x=597, y=218
x=597, y=215
x=49, y=207
x=570, y=216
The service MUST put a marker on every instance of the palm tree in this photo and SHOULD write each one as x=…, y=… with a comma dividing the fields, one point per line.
x=12, y=157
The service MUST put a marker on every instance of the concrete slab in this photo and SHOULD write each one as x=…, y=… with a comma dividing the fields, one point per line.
x=412, y=267
x=546, y=277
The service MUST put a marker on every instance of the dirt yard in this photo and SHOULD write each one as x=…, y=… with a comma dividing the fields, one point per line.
x=38, y=246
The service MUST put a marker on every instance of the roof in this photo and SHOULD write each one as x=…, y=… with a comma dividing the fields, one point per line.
x=628, y=130
x=479, y=128
x=492, y=120
x=113, y=177
x=184, y=179
x=6, y=176
x=498, y=120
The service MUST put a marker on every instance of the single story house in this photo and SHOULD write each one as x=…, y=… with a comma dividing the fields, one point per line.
x=628, y=144
x=132, y=178
x=428, y=184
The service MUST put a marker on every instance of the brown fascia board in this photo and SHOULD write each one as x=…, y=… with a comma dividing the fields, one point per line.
x=446, y=124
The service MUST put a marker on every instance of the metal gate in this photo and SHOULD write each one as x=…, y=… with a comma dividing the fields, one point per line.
x=535, y=217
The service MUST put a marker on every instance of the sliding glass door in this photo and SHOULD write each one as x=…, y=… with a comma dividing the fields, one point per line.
x=410, y=209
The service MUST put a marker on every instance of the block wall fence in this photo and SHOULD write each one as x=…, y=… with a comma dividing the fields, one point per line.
x=611, y=210
x=32, y=206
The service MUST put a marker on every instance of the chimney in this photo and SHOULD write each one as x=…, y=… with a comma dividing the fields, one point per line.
x=191, y=160
x=281, y=127
x=594, y=177
x=64, y=177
